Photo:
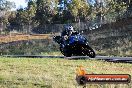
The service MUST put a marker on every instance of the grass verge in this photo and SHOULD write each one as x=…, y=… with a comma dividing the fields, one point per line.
x=55, y=73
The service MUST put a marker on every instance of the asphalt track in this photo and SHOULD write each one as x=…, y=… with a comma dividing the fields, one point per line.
x=104, y=58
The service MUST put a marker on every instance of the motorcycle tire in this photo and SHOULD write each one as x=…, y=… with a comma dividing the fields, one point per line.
x=66, y=52
x=89, y=51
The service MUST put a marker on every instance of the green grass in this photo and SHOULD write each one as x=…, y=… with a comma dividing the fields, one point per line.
x=55, y=53
x=55, y=73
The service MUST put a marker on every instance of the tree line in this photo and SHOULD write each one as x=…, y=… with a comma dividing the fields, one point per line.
x=41, y=12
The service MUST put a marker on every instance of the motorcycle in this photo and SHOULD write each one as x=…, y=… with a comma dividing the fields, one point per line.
x=75, y=45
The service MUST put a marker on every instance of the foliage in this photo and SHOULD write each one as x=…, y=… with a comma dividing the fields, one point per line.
x=41, y=12
x=45, y=11
x=6, y=5
x=24, y=17
x=79, y=9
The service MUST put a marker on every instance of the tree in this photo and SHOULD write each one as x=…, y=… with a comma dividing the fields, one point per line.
x=45, y=11
x=108, y=10
x=128, y=4
x=31, y=11
x=5, y=7
x=75, y=9
x=24, y=18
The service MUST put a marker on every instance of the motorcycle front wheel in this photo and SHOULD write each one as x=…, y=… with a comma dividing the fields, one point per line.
x=66, y=52
x=87, y=50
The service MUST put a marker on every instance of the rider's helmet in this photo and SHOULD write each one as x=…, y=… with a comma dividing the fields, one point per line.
x=70, y=30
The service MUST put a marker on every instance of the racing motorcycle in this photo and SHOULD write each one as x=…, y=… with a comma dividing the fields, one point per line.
x=75, y=45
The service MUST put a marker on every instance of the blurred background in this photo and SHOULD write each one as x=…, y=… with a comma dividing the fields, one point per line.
x=27, y=26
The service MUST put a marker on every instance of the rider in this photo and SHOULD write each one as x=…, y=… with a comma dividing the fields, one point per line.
x=67, y=32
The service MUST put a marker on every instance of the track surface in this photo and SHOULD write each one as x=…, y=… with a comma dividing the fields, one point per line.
x=106, y=58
